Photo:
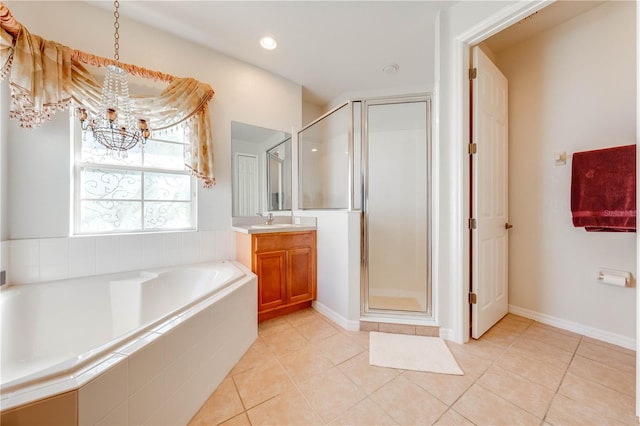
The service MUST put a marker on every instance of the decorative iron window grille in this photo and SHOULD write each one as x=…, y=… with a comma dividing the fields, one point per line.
x=145, y=189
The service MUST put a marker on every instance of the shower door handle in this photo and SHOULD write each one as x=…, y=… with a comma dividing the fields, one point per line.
x=508, y=226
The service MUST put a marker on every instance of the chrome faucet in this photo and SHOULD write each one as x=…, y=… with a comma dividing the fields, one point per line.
x=270, y=219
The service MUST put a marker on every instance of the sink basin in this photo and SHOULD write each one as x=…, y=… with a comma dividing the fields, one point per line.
x=275, y=225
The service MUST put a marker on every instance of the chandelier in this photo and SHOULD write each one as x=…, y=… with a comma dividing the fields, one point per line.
x=113, y=125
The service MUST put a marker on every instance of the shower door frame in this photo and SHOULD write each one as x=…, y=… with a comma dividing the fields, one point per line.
x=367, y=313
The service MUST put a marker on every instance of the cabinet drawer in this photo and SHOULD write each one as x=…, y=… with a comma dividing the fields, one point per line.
x=284, y=240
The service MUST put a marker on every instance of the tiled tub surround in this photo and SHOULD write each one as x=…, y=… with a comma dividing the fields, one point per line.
x=158, y=374
x=49, y=259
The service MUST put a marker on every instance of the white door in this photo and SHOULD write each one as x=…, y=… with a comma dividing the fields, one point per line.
x=489, y=202
x=246, y=195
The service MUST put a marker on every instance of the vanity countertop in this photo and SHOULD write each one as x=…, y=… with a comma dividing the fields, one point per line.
x=276, y=227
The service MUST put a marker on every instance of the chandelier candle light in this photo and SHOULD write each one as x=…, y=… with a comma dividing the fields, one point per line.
x=114, y=126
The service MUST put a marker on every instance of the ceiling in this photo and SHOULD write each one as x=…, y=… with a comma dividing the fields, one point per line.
x=329, y=47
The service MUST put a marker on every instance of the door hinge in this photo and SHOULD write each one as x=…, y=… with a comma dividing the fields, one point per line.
x=473, y=73
x=472, y=223
x=473, y=148
x=473, y=298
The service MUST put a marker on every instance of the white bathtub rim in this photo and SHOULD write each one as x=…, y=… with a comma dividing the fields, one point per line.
x=72, y=374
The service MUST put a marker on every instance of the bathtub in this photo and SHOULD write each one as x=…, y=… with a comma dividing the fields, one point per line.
x=129, y=348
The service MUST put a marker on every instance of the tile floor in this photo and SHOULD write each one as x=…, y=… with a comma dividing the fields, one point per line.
x=304, y=370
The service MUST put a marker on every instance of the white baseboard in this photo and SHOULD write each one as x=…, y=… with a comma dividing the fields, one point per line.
x=595, y=333
x=335, y=317
x=447, y=334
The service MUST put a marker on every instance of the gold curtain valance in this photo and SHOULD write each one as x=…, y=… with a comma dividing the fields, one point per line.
x=45, y=76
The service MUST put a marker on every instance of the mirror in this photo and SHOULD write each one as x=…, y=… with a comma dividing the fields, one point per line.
x=260, y=168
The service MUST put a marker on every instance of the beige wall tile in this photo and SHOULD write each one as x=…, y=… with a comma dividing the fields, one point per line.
x=422, y=330
x=369, y=326
x=397, y=328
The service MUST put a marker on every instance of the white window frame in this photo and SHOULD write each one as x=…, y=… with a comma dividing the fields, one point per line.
x=77, y=164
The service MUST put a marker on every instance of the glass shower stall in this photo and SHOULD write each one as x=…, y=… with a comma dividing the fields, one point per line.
x=374, y=156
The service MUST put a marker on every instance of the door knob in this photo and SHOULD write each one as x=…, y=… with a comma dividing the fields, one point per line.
x=508, y=226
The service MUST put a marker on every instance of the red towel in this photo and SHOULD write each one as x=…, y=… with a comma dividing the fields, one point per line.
x=603, y=189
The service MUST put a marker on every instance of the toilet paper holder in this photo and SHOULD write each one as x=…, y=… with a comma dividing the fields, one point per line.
x=615, y=277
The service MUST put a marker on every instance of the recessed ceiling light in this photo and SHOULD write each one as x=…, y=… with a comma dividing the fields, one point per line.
x=391, y=69
x=268, y=43
x=314, y=149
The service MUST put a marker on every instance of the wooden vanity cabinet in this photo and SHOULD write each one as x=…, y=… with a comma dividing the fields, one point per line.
x=285, y=263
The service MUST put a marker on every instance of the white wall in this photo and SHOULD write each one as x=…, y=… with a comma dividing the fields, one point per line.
x=571, y=88
x=38, y=172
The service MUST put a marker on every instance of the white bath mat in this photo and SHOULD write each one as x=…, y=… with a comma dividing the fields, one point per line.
x=407, y=352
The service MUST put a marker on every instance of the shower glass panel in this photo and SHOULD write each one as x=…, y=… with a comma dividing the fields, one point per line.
x=324, y=161
x=397, y=207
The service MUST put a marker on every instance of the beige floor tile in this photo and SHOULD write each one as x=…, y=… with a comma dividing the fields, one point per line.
x=339, y=347
x=407, y=403
x=607, y=376
x=500, y=336
x=289, y=408
x=514, y=317
x=524, y=393
x=305, y=363
x=316, y=329
x=223, y=404
x=557, y=330
x=566, y=341
x=468, y=358
x=285, y=341
x=620, y=360
x=301, y=317
x=478, y=349
x=261, y=383
x=565, y=411
x=453, y=418
x=273, y=326
x=608, y=345
x=481, y=406
x=331, y=394
x=538, y=350
x=257, y=355
x=364, y=413
x=513, y=324
x=359, y=337
x=239, y=420
x=530, y=368
x=601, y=400
x=367, y=377
x=446, y=387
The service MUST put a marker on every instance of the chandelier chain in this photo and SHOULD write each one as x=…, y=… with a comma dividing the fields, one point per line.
x=116, y=35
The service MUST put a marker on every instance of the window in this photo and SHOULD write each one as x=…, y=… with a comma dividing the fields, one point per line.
x=144, y=189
